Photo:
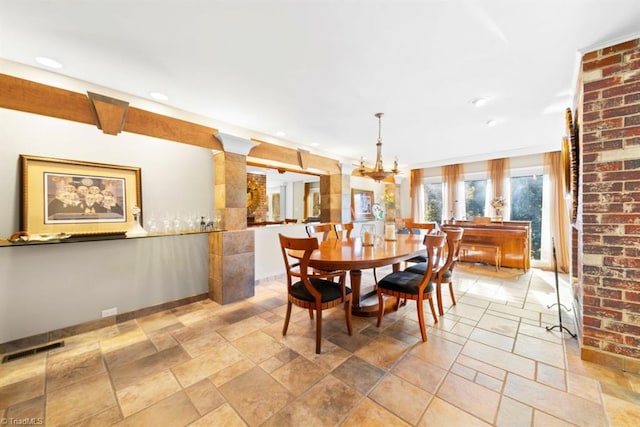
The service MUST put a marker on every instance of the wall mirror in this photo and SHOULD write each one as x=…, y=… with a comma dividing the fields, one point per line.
x=275, y=195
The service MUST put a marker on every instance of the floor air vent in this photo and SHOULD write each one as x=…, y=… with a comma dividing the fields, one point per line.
x=34, y=350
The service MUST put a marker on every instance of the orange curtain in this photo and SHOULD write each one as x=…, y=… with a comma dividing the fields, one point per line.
x=417, y=209
x=498, y=174
x=451, y=176
x=558, y=205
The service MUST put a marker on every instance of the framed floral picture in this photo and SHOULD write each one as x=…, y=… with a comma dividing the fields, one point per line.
x=362, y=204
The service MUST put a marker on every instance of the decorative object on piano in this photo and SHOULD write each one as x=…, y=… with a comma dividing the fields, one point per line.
x=498, y=204
x=378, y=173
x=77, y=197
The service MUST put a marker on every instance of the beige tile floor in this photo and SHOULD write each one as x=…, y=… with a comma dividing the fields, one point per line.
x=488, y=361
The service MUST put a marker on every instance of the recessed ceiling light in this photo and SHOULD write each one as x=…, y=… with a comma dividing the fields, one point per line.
x=48, y=62
x=314, y=144
x=491, y=123
x=281, y=134
x=159, y=96
x=479, y=102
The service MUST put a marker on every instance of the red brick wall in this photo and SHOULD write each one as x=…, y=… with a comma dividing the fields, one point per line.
x=610, y=157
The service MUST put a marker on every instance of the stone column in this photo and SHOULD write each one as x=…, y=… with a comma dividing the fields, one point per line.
x=231, y=251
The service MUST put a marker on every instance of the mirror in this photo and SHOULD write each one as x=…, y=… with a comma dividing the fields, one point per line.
x=275, y=195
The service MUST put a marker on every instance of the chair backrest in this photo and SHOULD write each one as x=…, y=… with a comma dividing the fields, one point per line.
x=300, y=268
x=315, y=229
x=343, y=230
x=454, y=238
x=435, y=244
x=422, y=225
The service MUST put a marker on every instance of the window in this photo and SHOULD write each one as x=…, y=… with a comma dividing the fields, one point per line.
x=433, y=202
x=474, y=195
x=526, y=205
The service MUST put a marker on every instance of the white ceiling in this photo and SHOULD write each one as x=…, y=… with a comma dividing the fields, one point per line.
x=319, y=69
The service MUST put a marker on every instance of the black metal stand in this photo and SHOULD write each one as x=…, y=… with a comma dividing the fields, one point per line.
x=560, y=306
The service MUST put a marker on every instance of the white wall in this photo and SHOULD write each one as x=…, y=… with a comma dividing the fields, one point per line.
x=47, y=287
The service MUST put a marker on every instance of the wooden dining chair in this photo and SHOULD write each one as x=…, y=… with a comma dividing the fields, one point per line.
x=312, y=291
x=319, y=230
x=407, y=285
x=445, y=274
x=343, y=231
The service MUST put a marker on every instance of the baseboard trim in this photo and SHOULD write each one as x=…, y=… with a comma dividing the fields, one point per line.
x=59, y=334
x=616, y=361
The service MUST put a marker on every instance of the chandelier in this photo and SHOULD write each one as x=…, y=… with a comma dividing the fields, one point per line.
x=378, y=173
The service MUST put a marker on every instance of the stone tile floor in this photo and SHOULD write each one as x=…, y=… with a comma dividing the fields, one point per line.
x=488, y=361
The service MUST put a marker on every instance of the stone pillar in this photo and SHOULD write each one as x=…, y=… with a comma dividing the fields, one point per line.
x=344, y=193
x=231, y=251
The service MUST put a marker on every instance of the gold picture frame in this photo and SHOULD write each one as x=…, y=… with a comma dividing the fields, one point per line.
x=75, y=197
x=565, y=155
x=361, y=204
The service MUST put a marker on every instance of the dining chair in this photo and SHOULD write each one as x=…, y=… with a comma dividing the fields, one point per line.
x=317, y=229
x=343, y=230
x=290, y=221
x=321, y=232
x=312, y=291
x=407, y=285
x=445, y=274
x=417, y=258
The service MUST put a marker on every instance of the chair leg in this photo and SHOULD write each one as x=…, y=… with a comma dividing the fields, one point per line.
x=318, y=329
x=433, y=310
x=439, y=295
x=423, y=328
x=375, y=278
x=380, y=308
x=453, y=297
x=311, y=313
x=347, y=310
x=286, y=319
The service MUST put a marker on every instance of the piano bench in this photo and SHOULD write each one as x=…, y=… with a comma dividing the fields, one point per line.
x=479, y=252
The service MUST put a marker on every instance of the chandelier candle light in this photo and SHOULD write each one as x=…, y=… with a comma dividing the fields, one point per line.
x=378, y=173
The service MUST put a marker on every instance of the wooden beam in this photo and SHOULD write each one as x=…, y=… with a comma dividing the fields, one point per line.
x=165, y=127
x=31, y=97
x=109, y=113
x=268, y=151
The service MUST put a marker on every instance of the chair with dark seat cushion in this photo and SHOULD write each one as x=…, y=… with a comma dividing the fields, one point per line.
x=321, y=232
x=418, y=287
x=445, y=275
x=312, y=291
x=343, y=231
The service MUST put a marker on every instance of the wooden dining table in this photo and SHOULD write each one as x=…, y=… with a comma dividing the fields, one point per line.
x=350, y=254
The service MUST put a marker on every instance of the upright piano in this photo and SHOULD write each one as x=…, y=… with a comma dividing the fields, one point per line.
x=512, y=237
